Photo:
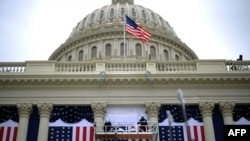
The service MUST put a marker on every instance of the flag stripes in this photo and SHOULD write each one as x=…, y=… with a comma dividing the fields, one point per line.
x=197, y=133
x=136, y=30
x=8, y=133
x=71, y=133
x=83, y=133
x=179, y=133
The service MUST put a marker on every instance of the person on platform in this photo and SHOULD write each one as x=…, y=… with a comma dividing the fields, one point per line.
x=142, y=124
x=107, y=126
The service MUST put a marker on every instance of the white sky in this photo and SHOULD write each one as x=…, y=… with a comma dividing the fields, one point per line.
x=213, y=29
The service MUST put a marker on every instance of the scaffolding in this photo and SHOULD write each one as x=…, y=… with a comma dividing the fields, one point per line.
x=124, y=130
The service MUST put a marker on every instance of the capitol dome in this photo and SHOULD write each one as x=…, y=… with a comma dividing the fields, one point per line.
x=100, y=35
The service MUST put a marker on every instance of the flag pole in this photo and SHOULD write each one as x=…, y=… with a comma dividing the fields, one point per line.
x=124, y=44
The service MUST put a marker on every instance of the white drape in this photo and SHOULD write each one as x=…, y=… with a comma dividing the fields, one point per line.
x=128, y=115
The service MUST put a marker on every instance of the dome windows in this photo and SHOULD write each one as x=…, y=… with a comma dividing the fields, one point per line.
x=112, y=13
x=93, y=52
x=70, y=58
x=138, y=50
x=153, y=18
x=153, y=51
x=165, y=55
x=108, y=50
x=122, y=49
x=80, y=55
x=101, y=16
x=92, y=19
x=177, y=58
x=133, y=13
x=144, y=15
x=122, y=12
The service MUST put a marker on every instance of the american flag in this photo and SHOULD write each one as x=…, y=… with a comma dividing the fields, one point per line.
x=60, y=131
x=8, y=131
x=179, y=131
x=137, y=31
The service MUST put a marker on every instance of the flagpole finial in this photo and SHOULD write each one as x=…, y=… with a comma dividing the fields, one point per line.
x=122, y=1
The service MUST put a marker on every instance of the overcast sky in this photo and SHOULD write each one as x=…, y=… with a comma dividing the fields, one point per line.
x=213, y=29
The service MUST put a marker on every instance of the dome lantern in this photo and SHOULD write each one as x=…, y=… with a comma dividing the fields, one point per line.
x=123, y=1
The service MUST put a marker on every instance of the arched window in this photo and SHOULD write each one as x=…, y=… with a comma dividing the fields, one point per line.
x=122, y=12
x=133, y=13
x=112, y=13
x=80, y=55
x=144, y=16
x=138, y=50
x=165, y=55
x=153, y=51
x=101, y=16
x=177, y=58
x=92, y=19
x=153, y=17
x=108, y=50
x=93, y=52
x=70, y=58
x=122, y=49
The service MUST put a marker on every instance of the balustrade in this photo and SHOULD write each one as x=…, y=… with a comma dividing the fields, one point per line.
x=176, y=66
x=124, y=66
x=12, y=67
x=75, y=67
x=238, y=65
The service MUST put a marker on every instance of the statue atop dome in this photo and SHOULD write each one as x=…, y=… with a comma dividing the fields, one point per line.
x=123, y=1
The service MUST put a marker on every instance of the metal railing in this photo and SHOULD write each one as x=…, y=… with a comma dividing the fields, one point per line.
x=127, y=127
x=238, y=65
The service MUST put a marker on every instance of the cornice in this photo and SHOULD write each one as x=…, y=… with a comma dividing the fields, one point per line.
x=125, y=81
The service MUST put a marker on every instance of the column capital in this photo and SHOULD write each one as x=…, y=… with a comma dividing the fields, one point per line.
x=24, y=109
x=206, y=108
x=99, y=109
x=45, y=109
x=152, y=108
x=227, y=108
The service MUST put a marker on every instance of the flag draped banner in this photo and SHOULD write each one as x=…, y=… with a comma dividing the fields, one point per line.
x=137, y=31
x=8, y=123
x=71, y=123
x=179, y=132
x=8, y=131
x=82, y=131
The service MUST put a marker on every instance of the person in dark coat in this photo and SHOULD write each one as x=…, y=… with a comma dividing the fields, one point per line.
x=143, y=124
x=107, y=126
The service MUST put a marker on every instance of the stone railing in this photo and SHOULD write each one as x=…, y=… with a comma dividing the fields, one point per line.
x=176, y=66
x=75, y=67
x=97, y=66
x=15, y=67
x=238, y=65
x=125, y=66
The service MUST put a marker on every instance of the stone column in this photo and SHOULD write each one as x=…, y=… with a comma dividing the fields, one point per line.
x=206, y=109
x=99, y=110
x=227, y=112
x=44, y=112
x=152, y=109
x=24, y=111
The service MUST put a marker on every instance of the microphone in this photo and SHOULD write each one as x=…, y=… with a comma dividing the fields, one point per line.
x=170, y=121
x=180, y=96
x=170, y=117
